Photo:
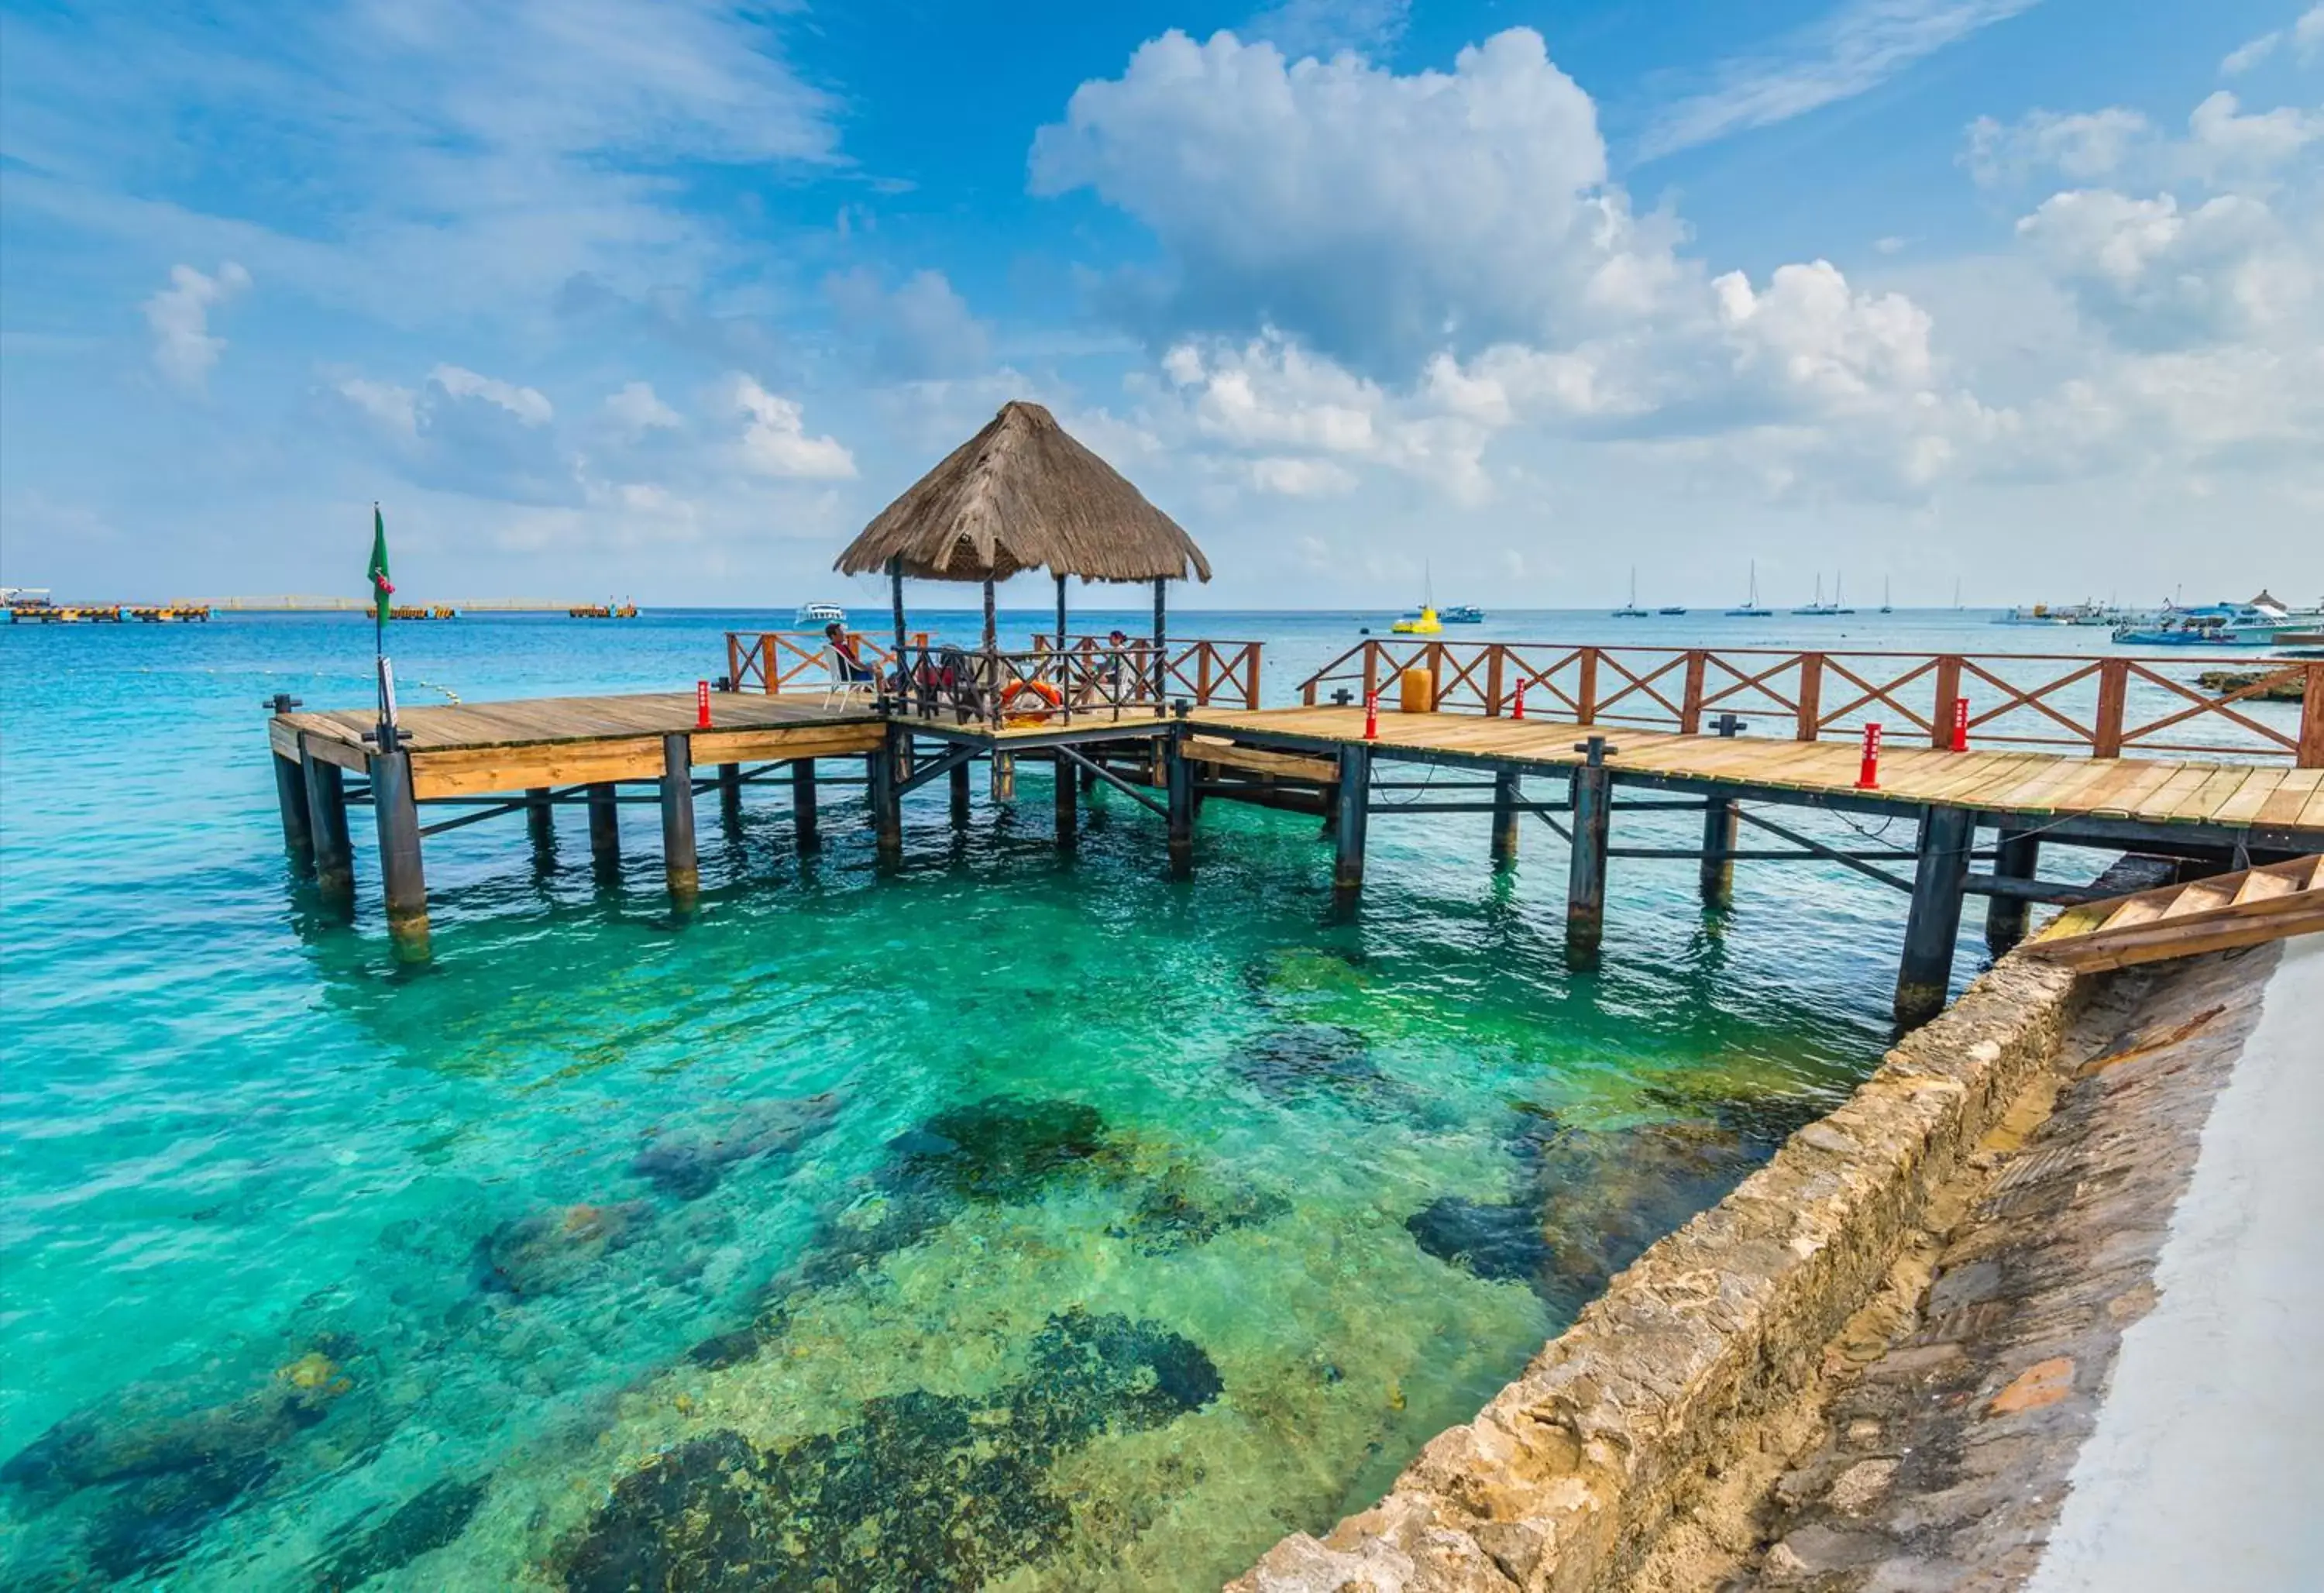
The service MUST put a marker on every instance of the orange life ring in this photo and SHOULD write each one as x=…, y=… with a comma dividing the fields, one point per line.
x=1048, y=694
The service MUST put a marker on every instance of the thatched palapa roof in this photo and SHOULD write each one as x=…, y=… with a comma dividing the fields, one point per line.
x=1022, y=494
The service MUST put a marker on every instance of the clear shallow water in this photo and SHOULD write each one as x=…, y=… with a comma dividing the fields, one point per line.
x=1017, y=1220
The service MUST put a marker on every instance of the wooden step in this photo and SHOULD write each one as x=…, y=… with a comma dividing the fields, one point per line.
x=2214, y=914
x=2204, y=896
x=2263, y=885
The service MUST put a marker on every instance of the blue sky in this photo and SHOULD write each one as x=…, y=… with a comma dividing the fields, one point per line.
x=667, y=300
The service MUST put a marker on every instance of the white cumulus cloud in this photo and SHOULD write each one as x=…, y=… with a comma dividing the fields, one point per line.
x=527, y=404
x=184, y=348
x=774, y=440
x=637, y=408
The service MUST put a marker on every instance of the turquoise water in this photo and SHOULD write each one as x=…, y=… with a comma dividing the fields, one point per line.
x=1018, y=1219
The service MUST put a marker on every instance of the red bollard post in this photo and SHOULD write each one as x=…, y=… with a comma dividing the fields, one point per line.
x=702, y=705
x=1371, y=716
x=1518, y=713
x=1868, y=778
x=1961, y=723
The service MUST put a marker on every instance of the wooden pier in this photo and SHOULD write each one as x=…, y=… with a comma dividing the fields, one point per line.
x=2257, y=795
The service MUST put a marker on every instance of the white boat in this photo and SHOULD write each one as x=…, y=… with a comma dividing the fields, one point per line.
x=1631, y=610
x=819, y=614
x=1819, y=608
x=2255, y=624
x=1749, y=607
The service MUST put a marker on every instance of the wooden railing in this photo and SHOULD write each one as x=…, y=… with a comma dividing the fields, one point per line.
x=1092, y=675
x=2108, y=707
x=775, y=662
x=1205, y=671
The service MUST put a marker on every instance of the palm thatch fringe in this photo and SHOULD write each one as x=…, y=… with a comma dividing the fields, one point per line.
x=1023, y=495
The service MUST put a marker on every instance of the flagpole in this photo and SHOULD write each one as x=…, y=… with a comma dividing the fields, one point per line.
x=382, y=589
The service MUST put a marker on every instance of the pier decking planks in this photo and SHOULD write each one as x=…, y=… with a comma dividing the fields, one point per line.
x=2013, y=781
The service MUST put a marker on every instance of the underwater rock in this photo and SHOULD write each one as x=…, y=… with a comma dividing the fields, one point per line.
x=721, y=1351
x=428, y=1520
x=1001, y=1148
x=545, y=1251
x=161, y=1429
x=687, y=1163
x=1184, y=1206
x=1587, y=1203
x=925, y=1492
x=1300, y=1062
x=153, y=1519
x=1766, y=1116
x=1499, y=1240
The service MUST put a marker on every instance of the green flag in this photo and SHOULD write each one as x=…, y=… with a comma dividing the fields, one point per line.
x=382, y=588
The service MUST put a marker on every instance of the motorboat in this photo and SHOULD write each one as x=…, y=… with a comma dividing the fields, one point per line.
x=1463, y=614
x=2255, y=624
x=820, y=615
x=1418, y=622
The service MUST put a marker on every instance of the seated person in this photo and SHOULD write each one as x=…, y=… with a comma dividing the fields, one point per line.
x=850, y=663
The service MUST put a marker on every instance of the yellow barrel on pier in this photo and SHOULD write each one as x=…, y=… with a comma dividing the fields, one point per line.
x=1418, y=687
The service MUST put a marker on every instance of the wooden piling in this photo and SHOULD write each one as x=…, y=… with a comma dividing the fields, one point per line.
x=1721, y=830
x=804, y=810
x=681, y=869
x=326, y=823
x=1507, y=792
x=1069, y=802
x=400, y=868
x=540, y=819
x=1004, y=777
x=1585, y=877
x=730, y=792
x=297, y=824
x=1939, y=883
x=887, y=805
x=1348, y=829
x=1179, y=780
x=2018, y=856
x=958, y=778
x=605, y=828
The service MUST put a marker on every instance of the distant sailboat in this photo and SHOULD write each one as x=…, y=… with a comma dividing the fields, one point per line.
x=1750, y=609
x=1836, y=607
x=1819, y=607
x=1956, y=591
x=1631, y=610
x=1885, y=606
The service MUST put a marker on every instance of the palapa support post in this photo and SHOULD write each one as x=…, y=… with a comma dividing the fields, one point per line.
x=1348, y=833
x=400, y=868
x=1179, y=782
x=1161, y=644
x=958, y=777
x=1585, y=879
x=1069, y=802
x=804, y=809
x=327, y=824
x=605, y=829
x=1004, y=777
x=1508, y=792
x=1721, y=829
x=540, y=823
x=1939, y=881
x=903, y=656
x=887, y=804
x=681, y=869
x=2018, y=856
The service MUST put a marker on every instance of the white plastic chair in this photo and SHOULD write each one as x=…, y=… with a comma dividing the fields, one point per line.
x=842, y=689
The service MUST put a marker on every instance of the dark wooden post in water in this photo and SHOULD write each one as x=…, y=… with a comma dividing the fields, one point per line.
x=1938, y=882
x=730, y=792
x=2018, y=857
x=540, y=819
x=1069, y=801
x=297, y=823
x=399, y=854
x=326, y=823
x=680, y=865
x=803, y=805
x=605, y=829
x=1585, y=879
x=958, y=777
x=1178, y=773
x=1507, y=792
x=886, y=804
x=1004, y=777
x=1721, y=831
x=1347, y=831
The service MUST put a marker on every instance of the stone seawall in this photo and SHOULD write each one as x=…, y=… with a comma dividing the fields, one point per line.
x=1622, y=1421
